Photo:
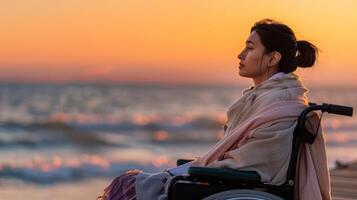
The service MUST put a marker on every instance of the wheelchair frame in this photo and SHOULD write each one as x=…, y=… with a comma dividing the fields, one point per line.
x=203, y=181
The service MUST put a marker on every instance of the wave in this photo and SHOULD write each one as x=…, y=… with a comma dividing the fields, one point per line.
x=174, y=129
x=49, y=134
x=137, y=123
x=56, y=171
x=342, y=138
x=54, y=133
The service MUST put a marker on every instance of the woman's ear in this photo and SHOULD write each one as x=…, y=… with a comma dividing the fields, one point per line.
x=274, y=59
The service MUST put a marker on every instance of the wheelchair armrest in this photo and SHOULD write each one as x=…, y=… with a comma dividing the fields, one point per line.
x=182, y=161
x=225, y=174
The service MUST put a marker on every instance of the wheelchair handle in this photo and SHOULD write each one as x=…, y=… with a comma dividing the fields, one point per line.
x=338, y=110
x=330, y=108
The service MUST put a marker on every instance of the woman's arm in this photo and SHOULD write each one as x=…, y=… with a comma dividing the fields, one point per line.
x=179, y=170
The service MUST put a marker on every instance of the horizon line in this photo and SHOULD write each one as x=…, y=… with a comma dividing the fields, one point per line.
x=154, y=84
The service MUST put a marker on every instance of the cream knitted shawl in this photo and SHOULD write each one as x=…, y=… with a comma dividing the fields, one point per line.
x=259, y=135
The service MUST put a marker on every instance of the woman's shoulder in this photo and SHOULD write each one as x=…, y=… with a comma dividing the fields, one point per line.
x=287, y=87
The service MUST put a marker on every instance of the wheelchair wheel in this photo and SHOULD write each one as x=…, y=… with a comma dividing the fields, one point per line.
x=242, y=194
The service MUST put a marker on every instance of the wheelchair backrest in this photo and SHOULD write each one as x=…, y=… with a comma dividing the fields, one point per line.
x=303, y=136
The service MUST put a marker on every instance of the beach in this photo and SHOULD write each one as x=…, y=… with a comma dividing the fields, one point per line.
x=344, y=181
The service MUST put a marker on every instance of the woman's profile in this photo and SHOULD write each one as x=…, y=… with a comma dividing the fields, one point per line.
x=260, y=123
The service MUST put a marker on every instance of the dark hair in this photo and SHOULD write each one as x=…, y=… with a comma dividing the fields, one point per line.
x=279, y=37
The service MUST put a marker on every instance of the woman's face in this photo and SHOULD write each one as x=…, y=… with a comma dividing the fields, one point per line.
x=253, y=60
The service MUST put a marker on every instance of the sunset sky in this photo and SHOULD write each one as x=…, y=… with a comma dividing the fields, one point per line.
x=164, y=41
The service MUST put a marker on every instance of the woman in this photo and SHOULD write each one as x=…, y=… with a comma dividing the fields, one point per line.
x=259, y=125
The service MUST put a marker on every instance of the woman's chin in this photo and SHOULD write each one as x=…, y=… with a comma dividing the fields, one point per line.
x=242, y=74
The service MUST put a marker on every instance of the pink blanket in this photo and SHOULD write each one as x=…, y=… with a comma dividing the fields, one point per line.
x=259, y=138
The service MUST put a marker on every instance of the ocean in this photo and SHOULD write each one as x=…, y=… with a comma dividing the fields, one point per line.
x=68, y=141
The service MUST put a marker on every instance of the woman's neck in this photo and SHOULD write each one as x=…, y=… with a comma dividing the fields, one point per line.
x=263, y=77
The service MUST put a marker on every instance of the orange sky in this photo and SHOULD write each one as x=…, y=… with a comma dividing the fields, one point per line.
x=168, y=42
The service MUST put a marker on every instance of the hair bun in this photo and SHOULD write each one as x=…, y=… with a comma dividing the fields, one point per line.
x=306, y=54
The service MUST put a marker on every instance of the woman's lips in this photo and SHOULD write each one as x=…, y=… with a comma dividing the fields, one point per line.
x=241, y=65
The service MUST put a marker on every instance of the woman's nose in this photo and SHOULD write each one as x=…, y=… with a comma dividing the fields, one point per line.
x=241, y=55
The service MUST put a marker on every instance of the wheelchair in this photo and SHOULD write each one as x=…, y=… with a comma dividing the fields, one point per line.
x=230, y=184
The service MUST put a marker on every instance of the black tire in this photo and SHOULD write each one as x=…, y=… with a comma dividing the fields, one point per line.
x=242, y=194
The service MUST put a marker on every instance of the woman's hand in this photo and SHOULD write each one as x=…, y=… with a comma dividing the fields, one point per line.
x=133, y=172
